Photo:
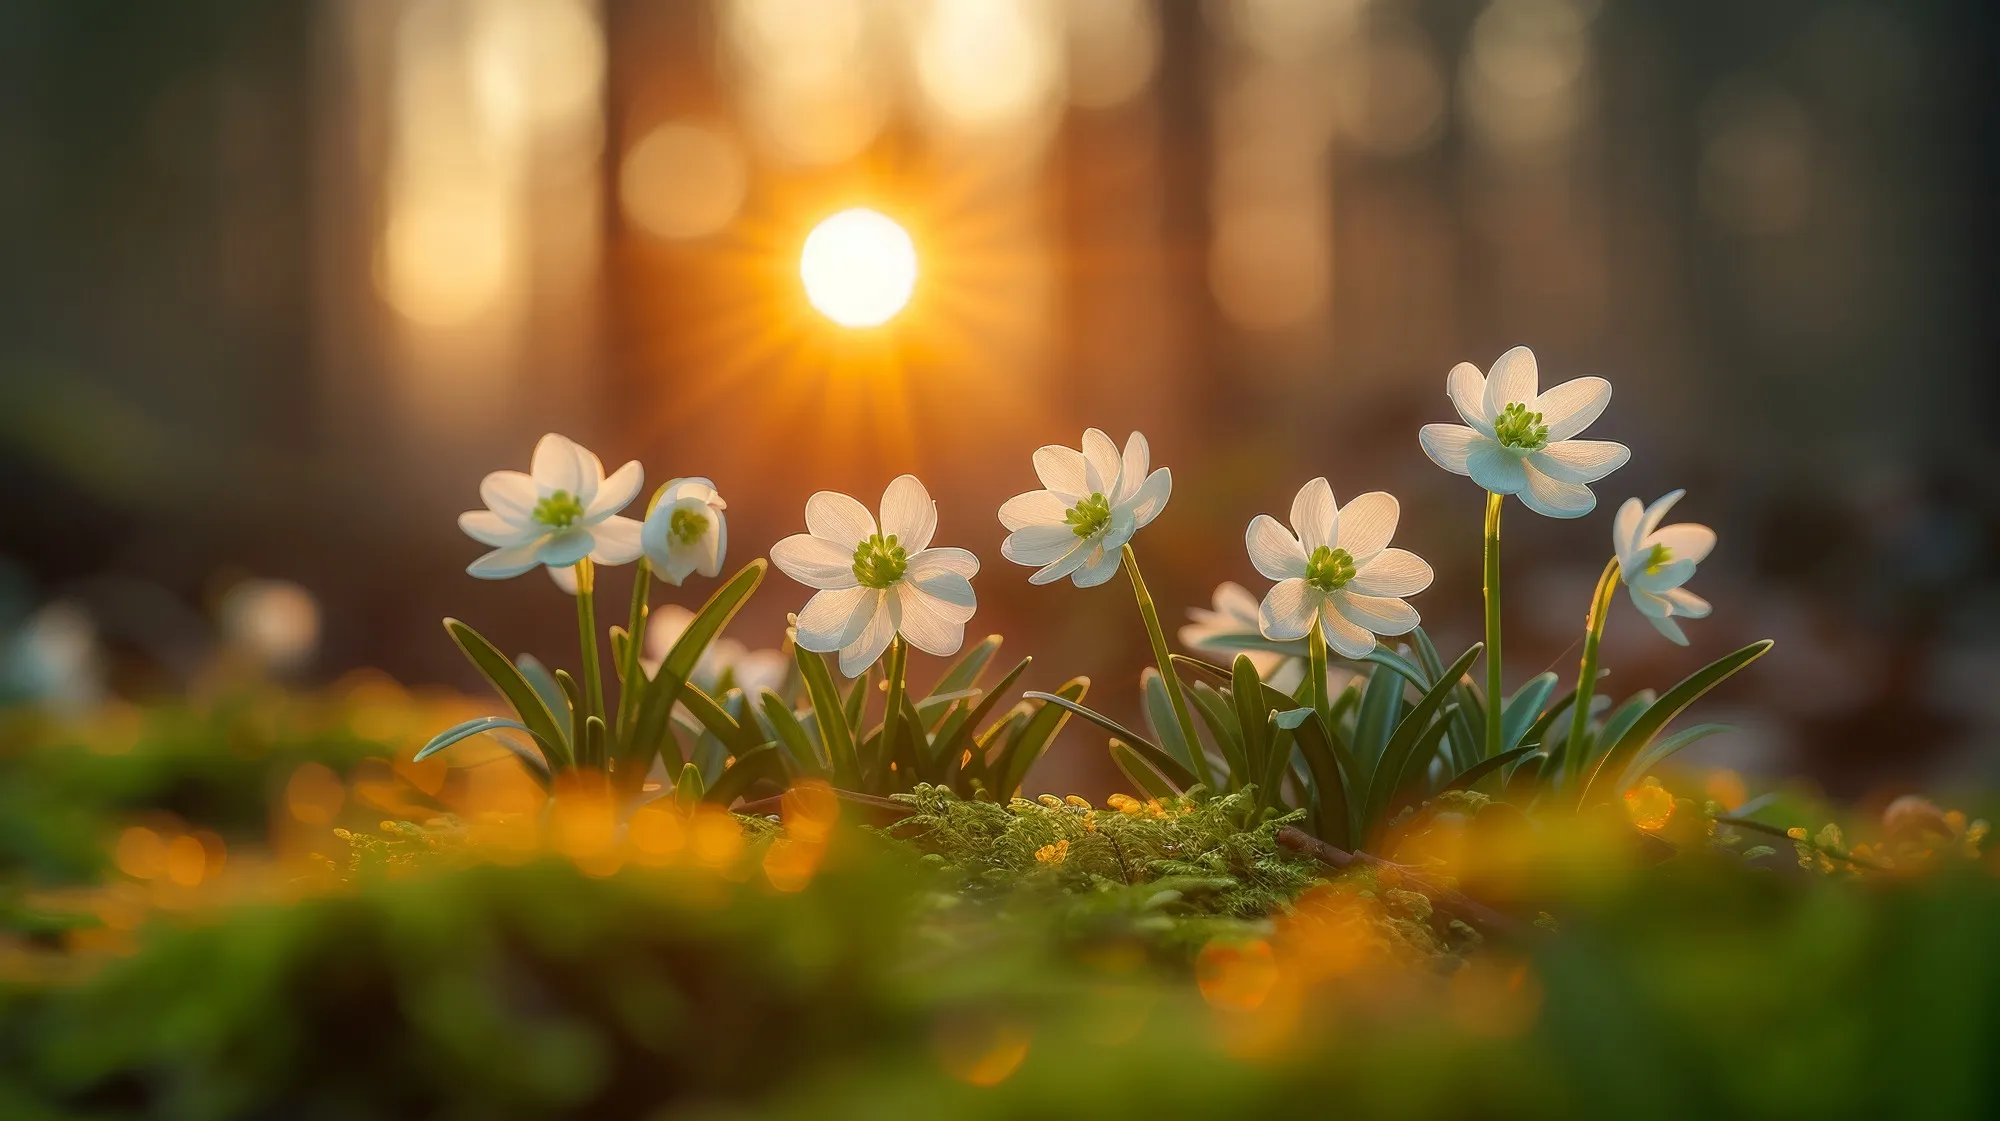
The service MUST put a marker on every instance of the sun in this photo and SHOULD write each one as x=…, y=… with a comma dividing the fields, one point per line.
x=859, y=268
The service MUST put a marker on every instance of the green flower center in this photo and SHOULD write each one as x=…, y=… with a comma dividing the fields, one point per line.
x=559, y=510
x=879, y=561
x=1657, y=559
x=1089, y=515
x=1329, y=569
x=686, y=526
x=1519, y=428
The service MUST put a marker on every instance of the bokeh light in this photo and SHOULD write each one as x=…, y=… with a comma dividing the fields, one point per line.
x=859, y=268
x=683, y=180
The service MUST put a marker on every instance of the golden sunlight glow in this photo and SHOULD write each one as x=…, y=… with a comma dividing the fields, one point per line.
x=859, y=268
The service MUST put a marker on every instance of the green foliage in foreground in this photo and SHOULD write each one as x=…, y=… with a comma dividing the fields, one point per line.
x=1690, y=989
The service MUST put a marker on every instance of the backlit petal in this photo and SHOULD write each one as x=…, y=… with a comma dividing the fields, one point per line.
x=1466, y=387
x=1151, y=497
x=1101, y=565
x=1687, y=604
x=1451, y=445
x=1273, y=550
x=1580, y=461
x=950, y=594
x=1685, y=540
x=839, y=518
x=1366, y=525
x=558, y=465
x=1496, y=469
x=1132, y=473
x=617, y=540
x=822, y=623
x=1037, y=545
x=617, y=492
x=510, y=494
x=1392, y=572
x=1348, y=638
x=501, y=564
x=1101, y=463
x=1036, y=507
x=1288, y=609
x=909, y=513
x=814, y=561
x=1513, y=381
x=883, y=621
x=926, y=627
x=1573, y=406
x=1553, y=498
x=944, y=559
x=1061, y=471
x=489, y=528
x=1380, y=614
x=1314, y=515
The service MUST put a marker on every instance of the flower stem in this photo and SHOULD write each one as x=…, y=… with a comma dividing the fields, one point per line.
x=631, y=678
x=1316, y=671
x=1586, y=674
x=892, y=719
x=586, y=628
x=1496, y=700
x=1165, y=660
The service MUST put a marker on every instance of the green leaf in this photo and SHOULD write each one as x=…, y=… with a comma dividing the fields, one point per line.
x=1656, y=717
x=1466, y=779
x=1621, y=718
x=1247, y=690
x=1381, y=707
x=661, y=693
x=1401, y=756
x=964, y=673
x=855, y=707
x=621, y=647
x=1155, y=757
x=792, y=734
x=1159, y=708
x=1524, y=709
x=834, y=730
x=1383, y=656
x=738, y=778
x=1659, y=752
x=1028, y=744
x=1332, y=769
x=736, y=736
x=1142, y=775
x=949, y=748
x=535, y=715
x=578, y=712
x=1219, y=714
x=538, y=764
x=546, y=687
x=594, y=737
x=688, y=791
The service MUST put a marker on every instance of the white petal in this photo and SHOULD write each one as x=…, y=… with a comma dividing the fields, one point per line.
x=839, y=518
x=558, y=465
x=1132, y=471
x=949, y=591
x=1061, y=471
x=1653, y=606
x=1672, y=574
x=1348, y=638
x=1146, y=502
x=1366, y=525
x=1234, y=600
x=666, y=553
x=822, y=624
x=909, y=513
x=1380, y=614
x=1685, y=540
x=489, y=528
x=617, y=540
x=1554, y=498
x=1100, y=565
x=1450, y=445
x=1657, y=512
x=1466, y=387
x=717, y=546
x=1120, y=529
x=1572, y=406
x=565, y=580
x=1101, y=463
x=1496, y=468
x=1037, y=545
x=1668, y=627
x=1288, y=609
x=1068, y=562
x=1687, y=604
x=1037, y=507
x=1625, y=532
x=1273, y=550
x=926, y=628
x=1314, y=515
x=692, y=486
x=500, y=564
x=511, y=495
x=1392, y=572
x=881, y=624
x=814, y=561
x=617, y=492
x=1512, y=381
x=1580, y=461
x=943, y=559
x=567, y=547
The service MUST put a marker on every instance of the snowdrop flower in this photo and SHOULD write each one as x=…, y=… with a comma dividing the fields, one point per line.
x=563, y=511
x=1656, y=560
x=1335, y=570
x=1520, y=441
x=752, y=671
x=685, y=531
x=1223, y=631
x=1095, y=500
x=876, y=581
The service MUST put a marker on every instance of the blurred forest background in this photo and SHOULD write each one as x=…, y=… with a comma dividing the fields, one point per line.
x=279, y=282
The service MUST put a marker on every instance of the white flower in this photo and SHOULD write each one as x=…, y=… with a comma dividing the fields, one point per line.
x=1095, y=501
x=1656, y=560
x=876, y=582
x=1223, y=631
x=1334, y=567
x=562, y=512
x=1519, y=440
x=685, y=531
x=752, y=671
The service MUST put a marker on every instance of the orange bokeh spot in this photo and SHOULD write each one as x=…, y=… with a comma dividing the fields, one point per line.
x=140, y=853
x=1237, y=976
x=982, y=1052
x=314, y=794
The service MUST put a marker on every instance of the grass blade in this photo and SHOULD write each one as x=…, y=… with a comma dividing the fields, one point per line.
x=1656, y=717
x=535, y=715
